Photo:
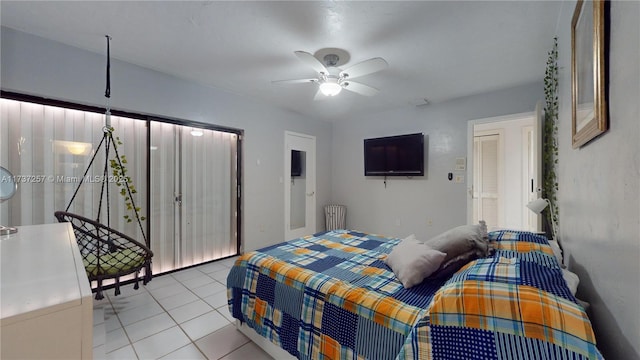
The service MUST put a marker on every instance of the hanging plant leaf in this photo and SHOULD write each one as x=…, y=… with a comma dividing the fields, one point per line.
x=550, y=132
x=119, y=172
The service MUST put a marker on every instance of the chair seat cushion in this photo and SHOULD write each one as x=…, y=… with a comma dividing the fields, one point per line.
x=121, y=261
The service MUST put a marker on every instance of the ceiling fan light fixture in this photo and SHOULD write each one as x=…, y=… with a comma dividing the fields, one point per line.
x=330, y=87
x=331, y=79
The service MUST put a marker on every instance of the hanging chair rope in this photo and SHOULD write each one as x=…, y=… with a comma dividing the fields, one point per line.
x=109, y=256
x=85, y=174
x=108, y=136
x=104, y=188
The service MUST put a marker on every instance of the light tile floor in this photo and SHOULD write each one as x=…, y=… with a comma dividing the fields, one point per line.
x=183, y=315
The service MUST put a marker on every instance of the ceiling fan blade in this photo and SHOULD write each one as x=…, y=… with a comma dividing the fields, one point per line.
x=319, y=96
x=359, y=88
x=364, y=68
x=294, y=81
x=311, y=61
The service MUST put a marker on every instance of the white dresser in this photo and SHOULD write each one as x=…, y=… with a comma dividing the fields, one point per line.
x=45, y=297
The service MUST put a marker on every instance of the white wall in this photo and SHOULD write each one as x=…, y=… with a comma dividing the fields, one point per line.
x=33, y=65
x=425, y=205
x=599, y=189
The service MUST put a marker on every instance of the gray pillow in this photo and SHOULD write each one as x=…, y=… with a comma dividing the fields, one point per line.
x=412, y=261
x=450, y=267
x=460, y=240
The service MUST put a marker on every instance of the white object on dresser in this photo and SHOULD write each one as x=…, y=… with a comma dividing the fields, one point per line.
x=45, y=296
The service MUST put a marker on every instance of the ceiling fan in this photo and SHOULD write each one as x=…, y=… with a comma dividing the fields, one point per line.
x=331, y=80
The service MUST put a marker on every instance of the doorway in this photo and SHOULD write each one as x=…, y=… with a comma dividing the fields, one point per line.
x=299, y=185
x=504, y=170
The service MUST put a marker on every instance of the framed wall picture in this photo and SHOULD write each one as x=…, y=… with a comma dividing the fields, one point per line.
x=589, y=115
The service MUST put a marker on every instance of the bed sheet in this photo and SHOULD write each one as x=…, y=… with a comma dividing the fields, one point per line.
x=330, y=296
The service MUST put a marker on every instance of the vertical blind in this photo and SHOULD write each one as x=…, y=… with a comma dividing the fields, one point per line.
x=194, y=196
x=193, y=179
x=48, y=150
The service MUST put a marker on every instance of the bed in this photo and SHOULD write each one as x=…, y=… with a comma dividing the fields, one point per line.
x=331, y=296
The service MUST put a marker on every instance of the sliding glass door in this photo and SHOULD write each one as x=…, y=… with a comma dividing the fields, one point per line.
x=194, y=197
x=186, y=178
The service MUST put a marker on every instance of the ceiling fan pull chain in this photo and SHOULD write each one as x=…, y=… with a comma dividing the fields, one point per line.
x=107, y=92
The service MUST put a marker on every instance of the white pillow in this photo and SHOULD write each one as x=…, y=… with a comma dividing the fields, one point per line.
x=556, y=250
x=412, y=261
x=461, y=240
x=572, y=280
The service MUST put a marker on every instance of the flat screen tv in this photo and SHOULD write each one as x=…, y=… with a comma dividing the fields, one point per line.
x=296, y=163
x=401, y=155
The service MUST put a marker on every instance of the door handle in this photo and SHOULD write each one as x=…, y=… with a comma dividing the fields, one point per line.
x=311, y=193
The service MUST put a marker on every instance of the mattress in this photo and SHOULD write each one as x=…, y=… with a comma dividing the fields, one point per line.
x=331, y=296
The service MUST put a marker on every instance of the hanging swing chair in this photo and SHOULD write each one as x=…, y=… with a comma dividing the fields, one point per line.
x=108, y=253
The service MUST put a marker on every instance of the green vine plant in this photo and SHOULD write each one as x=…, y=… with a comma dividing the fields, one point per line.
x=124, y=181
x=550, y=132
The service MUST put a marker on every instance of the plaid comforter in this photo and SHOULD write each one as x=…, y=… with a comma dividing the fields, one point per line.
x=330, y=296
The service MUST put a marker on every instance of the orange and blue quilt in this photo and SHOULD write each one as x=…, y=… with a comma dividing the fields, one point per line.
x=330, y=296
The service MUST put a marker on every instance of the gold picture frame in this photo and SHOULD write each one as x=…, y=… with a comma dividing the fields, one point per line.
x=588, y=72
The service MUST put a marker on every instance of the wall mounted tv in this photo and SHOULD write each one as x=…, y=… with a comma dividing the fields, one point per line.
x=401, y=155
x=296, y=163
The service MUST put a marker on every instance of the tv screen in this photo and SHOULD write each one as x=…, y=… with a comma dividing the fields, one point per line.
x=401, y=155
x=296, y=163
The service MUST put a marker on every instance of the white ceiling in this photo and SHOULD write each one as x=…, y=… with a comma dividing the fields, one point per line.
x=437, y=50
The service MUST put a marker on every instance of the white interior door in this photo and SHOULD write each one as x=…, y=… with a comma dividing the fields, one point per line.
x=299, y=185
x=486, y=179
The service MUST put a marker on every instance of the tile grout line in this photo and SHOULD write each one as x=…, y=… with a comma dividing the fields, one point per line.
x=177, y=323
x=166, y=311
x=180, y=324
x=123, y=329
